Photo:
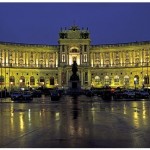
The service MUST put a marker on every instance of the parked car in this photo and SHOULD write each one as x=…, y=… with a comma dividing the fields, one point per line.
x=36, y=93
x=89, y=93
x=142, y=94
x=129, y=94
x=118, y=94
x=55, y=95
x=16, y=96
x=27, y=96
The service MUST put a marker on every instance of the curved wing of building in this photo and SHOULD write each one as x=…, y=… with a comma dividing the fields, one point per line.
x=32, y=65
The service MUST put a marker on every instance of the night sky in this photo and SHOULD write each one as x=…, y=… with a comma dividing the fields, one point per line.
x=108, y=23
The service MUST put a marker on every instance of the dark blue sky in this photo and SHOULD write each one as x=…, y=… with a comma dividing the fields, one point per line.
x=40, y=23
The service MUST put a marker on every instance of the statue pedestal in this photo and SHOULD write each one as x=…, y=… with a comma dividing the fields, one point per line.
x=76, y=84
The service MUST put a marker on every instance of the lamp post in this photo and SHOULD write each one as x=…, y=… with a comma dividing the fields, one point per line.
x=143, y=84
x=11, y=83
x=135, y=81
x=20, y=82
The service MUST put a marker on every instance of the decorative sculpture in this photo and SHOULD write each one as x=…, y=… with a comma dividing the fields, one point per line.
x=74, y=76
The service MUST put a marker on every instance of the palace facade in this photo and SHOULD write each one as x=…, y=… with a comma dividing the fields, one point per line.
x=115, y=65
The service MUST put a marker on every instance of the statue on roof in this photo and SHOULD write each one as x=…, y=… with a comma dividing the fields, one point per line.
x=74, y=27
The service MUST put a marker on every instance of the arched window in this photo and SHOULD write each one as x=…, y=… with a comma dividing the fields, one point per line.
x=51, y=63
x=85, y=57
x=63, y=57
x=106, y=80
x=126, y=80
x=32, y=80
x=137, y=61
x=12, y=80
x=74, y=50
x=41, y=63
x=42, y=81
x=21, y=61
x=22, y=81
x=1, y=80
x=116, y=80
x=136, y=79
x=127, y=62
x=107, y=63
x=97, y=79
x=51, y=80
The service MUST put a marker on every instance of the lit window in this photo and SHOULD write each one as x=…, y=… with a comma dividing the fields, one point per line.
x=126, y=80
x=85, y=57
x=1, y=80
x=74, y=50
x=97, y=79
x=116, y=79
x=63, y=58
x=106, y=80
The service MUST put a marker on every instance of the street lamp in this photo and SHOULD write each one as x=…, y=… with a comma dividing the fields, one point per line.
x=143, y=84
x=20, y=82
x=135, y=81
x=11, y=83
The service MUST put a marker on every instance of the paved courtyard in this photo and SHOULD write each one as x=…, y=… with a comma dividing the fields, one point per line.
x=80, y=122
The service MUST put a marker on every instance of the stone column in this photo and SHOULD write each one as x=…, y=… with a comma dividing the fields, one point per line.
x=56, y=59
x=26, y=61
x=89, y=78
x=88, y=60
x=59, y=76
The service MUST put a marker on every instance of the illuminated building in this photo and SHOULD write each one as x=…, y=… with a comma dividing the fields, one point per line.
x=32, y=65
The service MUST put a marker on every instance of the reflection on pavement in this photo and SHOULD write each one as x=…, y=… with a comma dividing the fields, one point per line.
x=75, y=122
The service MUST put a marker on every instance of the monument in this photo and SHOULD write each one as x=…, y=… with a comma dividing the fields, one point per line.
x=74, y=83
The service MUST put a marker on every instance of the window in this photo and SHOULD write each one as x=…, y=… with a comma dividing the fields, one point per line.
x=97, y=56
x=117, y=62
x=85, y=58
x=107, y=63
x=126, y=80
x=85, y=48
x=21, y=62
x=86, y=77
x=51, y=56
x=116, y=80
x=74, y=50
x=127, y=62
x=1, y=80
x=22, y=81
x=12, y=80
x=106, y=80
x=97, y=80
x=41, y=79
x=32, y=80
x=51, y=80
x=63, y=57
x=51, y=63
